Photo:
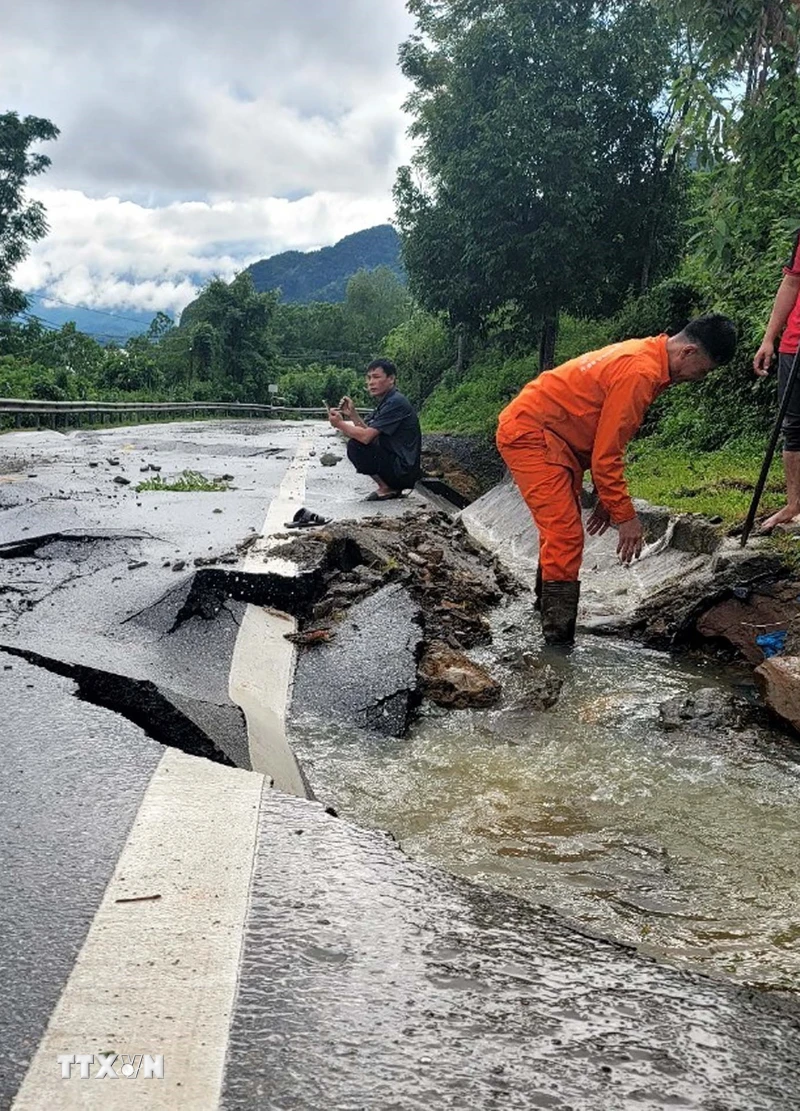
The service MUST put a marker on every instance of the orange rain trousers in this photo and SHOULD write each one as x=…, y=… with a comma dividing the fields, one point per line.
x=552, y=492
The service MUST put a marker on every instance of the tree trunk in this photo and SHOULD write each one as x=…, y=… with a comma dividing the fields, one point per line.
x=547, y=342
x=460, y=349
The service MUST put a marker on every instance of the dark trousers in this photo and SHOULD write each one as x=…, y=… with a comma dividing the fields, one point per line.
x=372, y=459
x=791, y=421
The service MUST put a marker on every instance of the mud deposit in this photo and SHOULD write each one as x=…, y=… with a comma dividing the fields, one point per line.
x=673, y=830
x=451, y=582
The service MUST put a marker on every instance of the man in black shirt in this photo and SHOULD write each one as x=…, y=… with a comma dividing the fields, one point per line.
x=388, y=445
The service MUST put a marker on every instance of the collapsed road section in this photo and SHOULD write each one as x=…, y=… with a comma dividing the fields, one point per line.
x=271, y=952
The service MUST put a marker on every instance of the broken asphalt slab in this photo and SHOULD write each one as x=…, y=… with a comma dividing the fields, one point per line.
x=367, y=675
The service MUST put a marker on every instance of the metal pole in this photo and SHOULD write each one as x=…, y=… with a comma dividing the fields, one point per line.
x=776, y=431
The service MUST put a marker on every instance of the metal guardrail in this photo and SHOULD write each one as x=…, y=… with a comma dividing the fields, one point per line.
x=66, y=408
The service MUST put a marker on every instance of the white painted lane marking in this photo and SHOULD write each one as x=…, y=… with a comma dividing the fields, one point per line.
x=159, y=976
x=263, y=660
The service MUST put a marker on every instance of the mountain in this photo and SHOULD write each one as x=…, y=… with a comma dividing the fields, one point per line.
x=304, y=276
x=107, y=327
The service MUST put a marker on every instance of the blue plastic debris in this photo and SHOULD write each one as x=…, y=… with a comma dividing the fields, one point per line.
x=772, y=644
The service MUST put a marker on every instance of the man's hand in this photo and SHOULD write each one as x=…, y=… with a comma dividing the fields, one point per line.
x=629, y=544
x=347, y=408
x=764, y=357
x=335, y=418
x=599, y=520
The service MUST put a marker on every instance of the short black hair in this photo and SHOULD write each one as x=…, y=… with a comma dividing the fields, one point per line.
x=716, y=334
x=386, y=365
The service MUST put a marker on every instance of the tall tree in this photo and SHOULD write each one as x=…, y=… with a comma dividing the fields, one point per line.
x=21, y=221
x=376, y=302
x=540, y=160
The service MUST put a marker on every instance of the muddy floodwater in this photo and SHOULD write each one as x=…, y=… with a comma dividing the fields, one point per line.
x=685, y=844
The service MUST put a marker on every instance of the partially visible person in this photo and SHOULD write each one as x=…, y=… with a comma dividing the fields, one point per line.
x=784, y=321
x=580, y=417
x=388, y=445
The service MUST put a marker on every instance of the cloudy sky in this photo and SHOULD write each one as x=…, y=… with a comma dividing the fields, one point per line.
x=197, y=137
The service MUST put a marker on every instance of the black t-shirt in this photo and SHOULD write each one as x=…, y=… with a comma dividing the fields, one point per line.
x=399, y=429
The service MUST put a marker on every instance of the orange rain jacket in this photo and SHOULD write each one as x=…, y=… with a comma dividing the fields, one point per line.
x=588, y=409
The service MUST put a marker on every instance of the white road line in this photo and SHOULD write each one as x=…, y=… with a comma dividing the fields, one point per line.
x=158, y=975
x=263, y=660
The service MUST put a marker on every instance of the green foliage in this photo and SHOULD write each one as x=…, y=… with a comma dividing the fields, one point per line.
x=186, y=482
x=543, y=181
x=424, y=350
x=22, y=222
x=310, y=386
x=714, y=483
x=375, y=303
x=471, y=402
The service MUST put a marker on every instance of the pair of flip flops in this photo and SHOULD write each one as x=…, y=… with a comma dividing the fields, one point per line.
x=304, y=518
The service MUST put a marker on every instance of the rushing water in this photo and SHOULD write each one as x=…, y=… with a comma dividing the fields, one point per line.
x=684, y=844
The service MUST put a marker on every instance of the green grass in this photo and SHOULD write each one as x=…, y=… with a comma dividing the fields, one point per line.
x=715, y=483
x=186, y=482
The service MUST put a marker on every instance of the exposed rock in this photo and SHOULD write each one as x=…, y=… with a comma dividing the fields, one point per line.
x=707, y=710
x=121, y=480
x=452, y=679
x=310, y=637
x=779, y=680
x=747, y=614
x=179, y=565
x=454, y=580
x=329, y=459
x=542, y=685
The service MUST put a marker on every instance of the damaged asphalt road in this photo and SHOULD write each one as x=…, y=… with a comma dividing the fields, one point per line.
x=136, y=602
x=138, y=596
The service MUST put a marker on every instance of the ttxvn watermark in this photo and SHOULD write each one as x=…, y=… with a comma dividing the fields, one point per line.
x=111, y=1066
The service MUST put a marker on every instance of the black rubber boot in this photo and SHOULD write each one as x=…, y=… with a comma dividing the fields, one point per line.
x=537, y=590
x=560, y=611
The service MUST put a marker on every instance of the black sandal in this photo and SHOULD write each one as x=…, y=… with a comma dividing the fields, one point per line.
x=304, y=518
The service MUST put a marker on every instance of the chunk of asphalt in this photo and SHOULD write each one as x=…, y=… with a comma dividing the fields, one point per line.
x=367, y=675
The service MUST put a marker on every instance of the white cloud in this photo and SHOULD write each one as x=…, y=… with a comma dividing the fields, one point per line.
x=253, y=97
x=198, y=137
x=111, y=253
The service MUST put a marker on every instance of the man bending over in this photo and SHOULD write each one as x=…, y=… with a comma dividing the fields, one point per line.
x=580, y=417
x=388, y=445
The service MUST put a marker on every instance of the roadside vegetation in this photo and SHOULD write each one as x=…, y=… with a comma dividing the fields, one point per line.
x=583, y=173
x=186, y=482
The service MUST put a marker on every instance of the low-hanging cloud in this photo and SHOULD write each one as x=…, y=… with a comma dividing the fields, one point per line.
x=106, y=253
x=198, y=137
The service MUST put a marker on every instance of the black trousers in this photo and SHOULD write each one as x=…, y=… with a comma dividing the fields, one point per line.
x=791, y=421
x=372, y=459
